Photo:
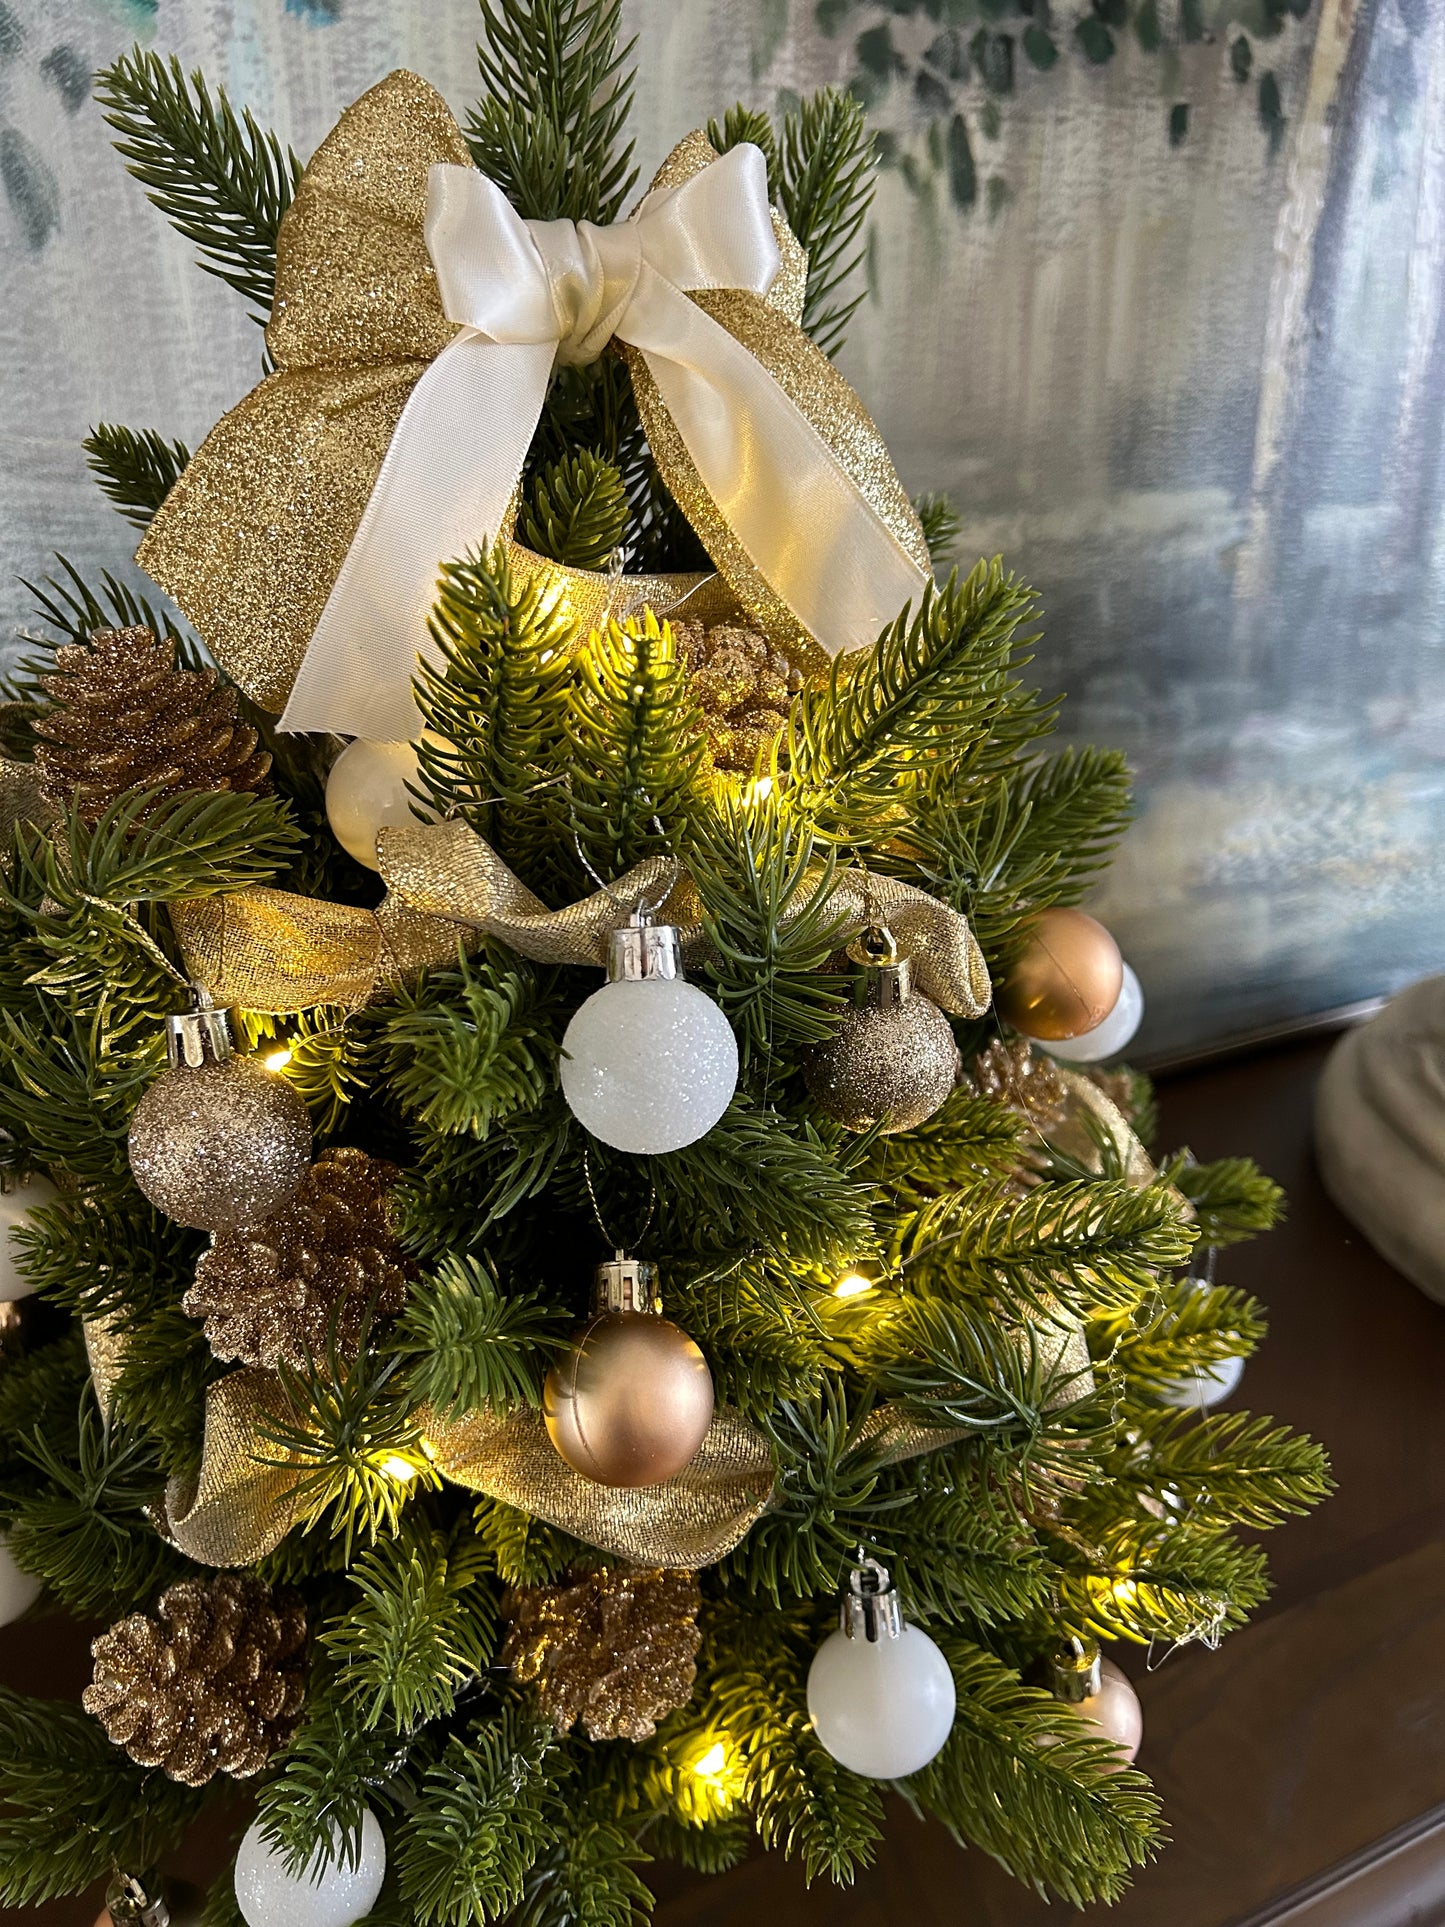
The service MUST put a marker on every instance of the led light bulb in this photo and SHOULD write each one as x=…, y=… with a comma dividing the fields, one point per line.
x=649, y=1062
x=880, y=1693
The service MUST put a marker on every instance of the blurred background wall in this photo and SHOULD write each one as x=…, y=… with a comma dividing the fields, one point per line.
x=1158, y=300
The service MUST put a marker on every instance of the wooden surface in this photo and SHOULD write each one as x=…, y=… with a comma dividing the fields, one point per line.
x=1303, y=1765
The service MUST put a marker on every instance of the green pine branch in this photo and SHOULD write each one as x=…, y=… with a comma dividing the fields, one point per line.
x=1232, y=1198
x=494, y=708
x=466, y=1048
x=469, y=1345
x=557, y=92
x=1024, y=1779
x=1226, y=1466
x=1195, y=1328
x=332, y=1769
x=136, y=468
x=942, y=526
x=575, y=510
x=218, y=177
x=635, y=745
x=479, y=1826
x=526, y=1551
x=419, y=1627
x=825, y=184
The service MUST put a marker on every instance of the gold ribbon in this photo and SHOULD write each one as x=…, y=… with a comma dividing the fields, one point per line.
x=242, y=1503
x=268, y=950
x=251, y=538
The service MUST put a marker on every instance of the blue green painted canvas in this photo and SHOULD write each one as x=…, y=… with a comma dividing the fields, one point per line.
x=1159, y=300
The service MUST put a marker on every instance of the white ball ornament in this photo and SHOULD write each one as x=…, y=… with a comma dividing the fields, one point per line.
x=330, y=1891
x=649, y=1062
x=18, y=1198
x=1209, y=1386
x=366, y=791
x=1109, y=1038
x=880, y=1693
x=18, y=1590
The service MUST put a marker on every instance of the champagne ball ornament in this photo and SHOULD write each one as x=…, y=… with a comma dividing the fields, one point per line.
x=880, y=1693
x=894, y=1055
x=1098, y=1691
x=217, y=1140
x=1108, y=1039
x=649, y=1062
x=1067, y=980
x=630, y=1401
x=366, y=791
x=333, y=1889
x=19, y=1195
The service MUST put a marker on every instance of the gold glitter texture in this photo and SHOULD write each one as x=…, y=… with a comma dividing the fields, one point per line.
x=743, y=685
x=213, y=1683
x=125, y=717
x=616, y=1652
x=307, y=1277
x=219, y=1144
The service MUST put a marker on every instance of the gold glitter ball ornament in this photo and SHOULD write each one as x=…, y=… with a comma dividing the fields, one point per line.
x=893, y=1058
x=743, y=685
x=217, y=1140
x=308, y=1275
x=631, y=1399
x=616, y=1652
x=125, y=717
x=213, y=1682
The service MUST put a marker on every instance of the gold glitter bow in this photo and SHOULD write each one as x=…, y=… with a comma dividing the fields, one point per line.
x=268, y=950
x=251, y=539
x=243, y=1501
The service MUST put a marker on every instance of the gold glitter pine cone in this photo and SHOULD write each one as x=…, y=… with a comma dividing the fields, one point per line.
x=213, y=1682
x=1012, y=1073
x=125, y=717
x=743, y=685
x=308, y=1275
x=616, y=1651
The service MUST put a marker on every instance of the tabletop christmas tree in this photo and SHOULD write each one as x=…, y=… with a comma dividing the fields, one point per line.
x=592, y=1296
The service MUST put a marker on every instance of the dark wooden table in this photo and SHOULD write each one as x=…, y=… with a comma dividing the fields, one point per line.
x=1303, y=1765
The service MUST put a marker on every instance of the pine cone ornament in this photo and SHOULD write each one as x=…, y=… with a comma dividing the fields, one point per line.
x=617, y=1650
x=212, y=1683
x=743, y=686
x=282, y=1290
x=125, y=717
x=1009, y=1072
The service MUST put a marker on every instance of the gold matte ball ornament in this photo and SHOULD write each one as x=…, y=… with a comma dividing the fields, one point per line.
x=894, y=1056
x=217, y=1140
x=1067, y=980
x=630, y=1401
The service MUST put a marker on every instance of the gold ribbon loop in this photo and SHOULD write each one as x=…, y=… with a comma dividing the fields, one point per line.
x=690, y=1521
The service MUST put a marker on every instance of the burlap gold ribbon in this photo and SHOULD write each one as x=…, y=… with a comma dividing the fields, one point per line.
x=268, y=950
x=243, y=1502
x=251, y=539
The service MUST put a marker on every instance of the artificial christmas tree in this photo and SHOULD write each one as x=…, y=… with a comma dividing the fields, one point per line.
x=937, y=1347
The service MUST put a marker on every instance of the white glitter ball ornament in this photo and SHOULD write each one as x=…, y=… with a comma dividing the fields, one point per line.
x=1109, y=1038
x=330, y=1891
x=649, y=1062
x=366, y=791
x=18, y=1198
x=880, y=1693
x=1099, y=1692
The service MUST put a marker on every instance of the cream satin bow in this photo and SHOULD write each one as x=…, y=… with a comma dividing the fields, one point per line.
x=528, y=295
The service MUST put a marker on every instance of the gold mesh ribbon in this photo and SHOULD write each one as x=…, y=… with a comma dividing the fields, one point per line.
x=250, y=540
x=689, y=1521
x=268, y=950
x=242, y=1503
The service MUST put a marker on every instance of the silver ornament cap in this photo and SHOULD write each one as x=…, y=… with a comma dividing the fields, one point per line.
x=197, y=1037
x=640, y=951
x=137, y=1903
x=625, y=1284
x=871, y=1608
x=1076, y=1671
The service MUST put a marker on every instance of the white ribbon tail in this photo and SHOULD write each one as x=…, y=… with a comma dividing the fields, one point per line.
x=808, y=531
x=443, y=488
